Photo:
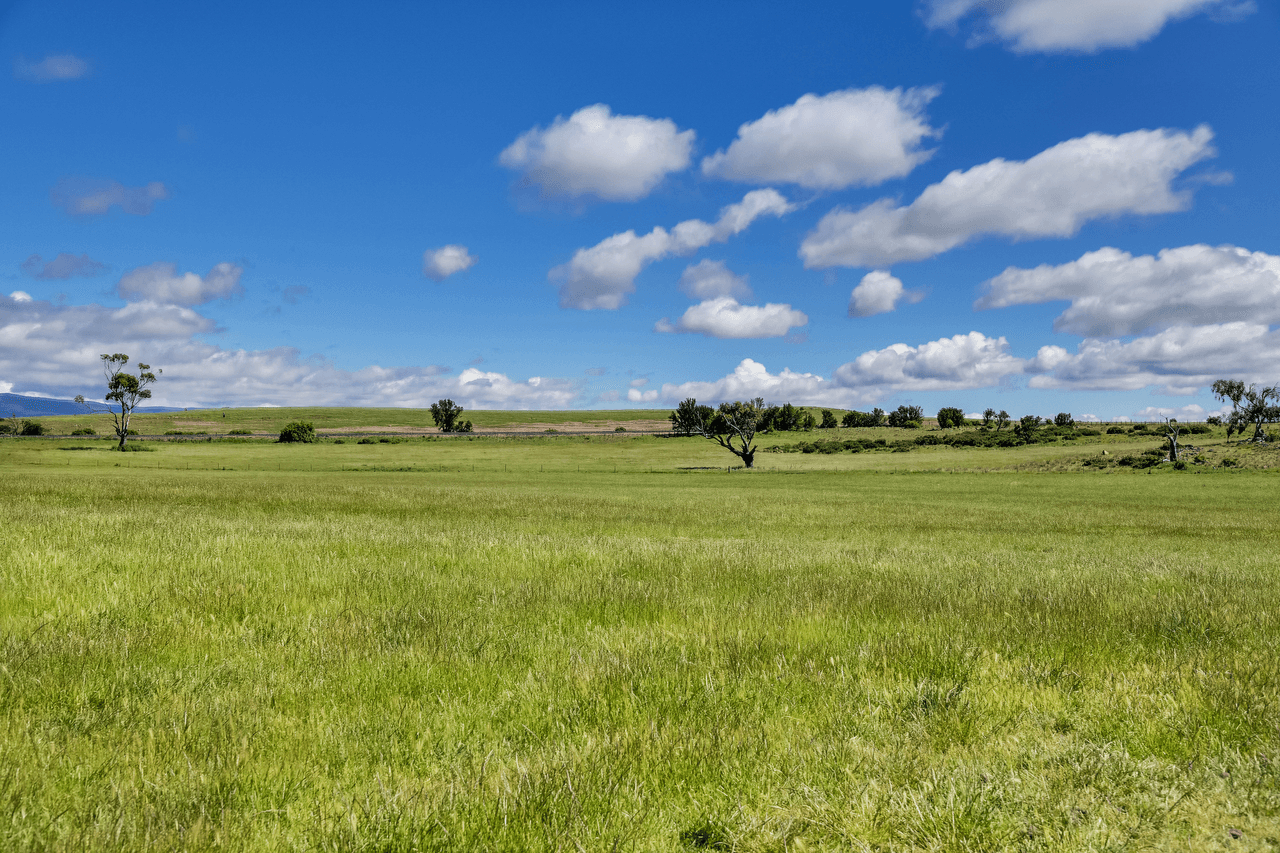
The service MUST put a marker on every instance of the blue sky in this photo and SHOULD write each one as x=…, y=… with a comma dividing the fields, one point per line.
x=1035, y=205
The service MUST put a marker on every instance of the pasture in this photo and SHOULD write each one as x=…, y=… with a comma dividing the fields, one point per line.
x=610, y=642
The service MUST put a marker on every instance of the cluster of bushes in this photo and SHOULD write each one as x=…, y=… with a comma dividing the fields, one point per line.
x=25, y=427
x=180, y=432
x=1031, y=434
x=240, y=432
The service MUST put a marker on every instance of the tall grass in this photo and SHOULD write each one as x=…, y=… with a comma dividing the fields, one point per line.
x=256, y=660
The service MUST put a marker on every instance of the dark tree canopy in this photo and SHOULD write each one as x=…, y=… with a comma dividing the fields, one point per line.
x=862, y=419
x=733, y=426
x=1064, y=419
x=448, y=416
x=950, y=416
x=910, y=417
x=126, y=390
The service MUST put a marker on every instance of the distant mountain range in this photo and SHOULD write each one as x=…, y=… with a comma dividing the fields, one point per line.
x=35, y=407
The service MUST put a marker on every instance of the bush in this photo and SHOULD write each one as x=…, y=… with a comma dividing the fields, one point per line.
x=85, y=431
x=615, y=429
x=1139, y=427
x=1091, y=433
x=31, y=428
x=1230, y=463
x=1116, y=430
x=338, y=441
x=1199, y=429
x=1180, y=465
x=1213, y=420
x=907, y=417
x=240, y=432
x=366, y=440
x=928, y=439
x=298, y=432
x=1064, y=419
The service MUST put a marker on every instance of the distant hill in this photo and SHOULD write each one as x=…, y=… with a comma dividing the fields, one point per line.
x=35, y=407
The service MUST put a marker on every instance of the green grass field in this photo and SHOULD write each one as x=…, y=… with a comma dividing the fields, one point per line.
x=570, y=644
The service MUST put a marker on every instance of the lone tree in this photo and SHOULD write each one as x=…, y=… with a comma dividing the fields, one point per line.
x=950, y=416
x=448, y=416
x=733, y=426
x=1252, y=406
x=1171, y=433
x=910, y=417
x=126, y=390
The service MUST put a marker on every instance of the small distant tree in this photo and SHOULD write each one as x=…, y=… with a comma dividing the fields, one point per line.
x=1064, y=419
x=447, y=416
x=950, y=416
x=808, y=421
x=988, y=418
x=30, y=427
x=1252, y=406
x=909, y=417
x=1002, y=420
x=733, y=426
x=1027, y=426
x=1213, y=420
x=125, y=390
x=829, y=420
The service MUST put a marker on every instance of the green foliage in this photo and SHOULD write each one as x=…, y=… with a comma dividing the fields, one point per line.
x=1250, y=407
x=30, y=427
x=298, y=432
x=1088, y=432
x=950, y=416
x=906, y=417
x=85, y=431
x=863, y=419
x=240, y=432
x=620, y=429
x=828, y=420
x=1116, y=430
x=689, y=418
x=1063, y=419
x=447, y=416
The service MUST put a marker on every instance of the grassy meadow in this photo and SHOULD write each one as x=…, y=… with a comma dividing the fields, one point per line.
x=613, y=643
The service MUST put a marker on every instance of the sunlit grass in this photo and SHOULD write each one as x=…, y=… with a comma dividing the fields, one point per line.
x=528, y=657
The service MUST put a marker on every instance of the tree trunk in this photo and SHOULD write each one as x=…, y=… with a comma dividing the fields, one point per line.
x=748, y=458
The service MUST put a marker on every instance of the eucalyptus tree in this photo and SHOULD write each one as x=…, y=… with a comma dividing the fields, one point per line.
x=126, y=390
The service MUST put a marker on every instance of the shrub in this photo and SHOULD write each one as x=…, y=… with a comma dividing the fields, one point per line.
x=1064, y=419
x=84, y=431
x=927, y=439
x=1213, y=420
x=619, y=429
x=949, y=416
x=31, y=428
x=1230, y=463
x=1096, y=462
x=174, y=432
x=1116, y=430
x=240, y=432
x=1200, y=460
x=298, y=432
x=907, y=417
x=338, y=441
x=1180, y=465
x=1139, y=427
x=366, y=440
x=1091, y=433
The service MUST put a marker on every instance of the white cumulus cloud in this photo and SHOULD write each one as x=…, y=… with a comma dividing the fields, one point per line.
x=1052, y=194
x=1180, y=359
x=1114, y=293
x=853, y=137
x=947, y=364
x=709, y=279
x=878, y=293
x=635, y=395
x=439, y=264
x=1085, y=26
x=596, y=153
x=160, y=282
x=601, y=276
x=723, y=317
x=54, y=349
